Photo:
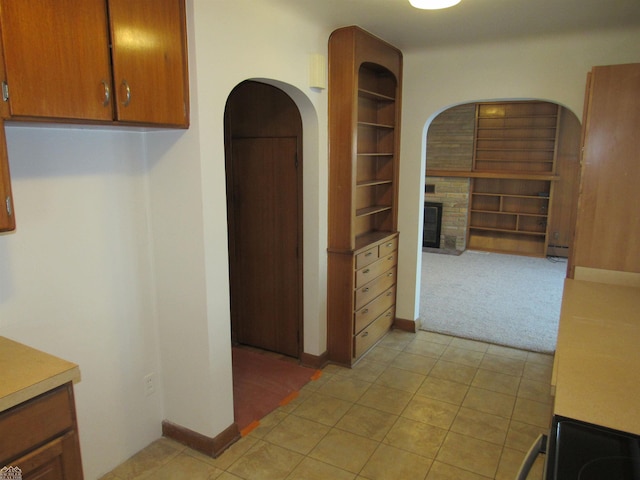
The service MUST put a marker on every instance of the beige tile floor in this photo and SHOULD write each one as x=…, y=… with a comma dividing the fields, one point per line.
x=418, y=406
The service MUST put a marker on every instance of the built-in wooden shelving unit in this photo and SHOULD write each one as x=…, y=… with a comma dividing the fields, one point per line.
x=365, y=78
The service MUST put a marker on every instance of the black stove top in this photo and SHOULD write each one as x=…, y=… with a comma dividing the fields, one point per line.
x=582, y=451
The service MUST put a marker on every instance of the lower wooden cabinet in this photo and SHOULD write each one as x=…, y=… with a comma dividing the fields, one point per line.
x=361, y=310
x=40, y=437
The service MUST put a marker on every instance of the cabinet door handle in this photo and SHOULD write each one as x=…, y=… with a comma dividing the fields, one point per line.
x=7, y=201
x=107, y=93
x=127, y=93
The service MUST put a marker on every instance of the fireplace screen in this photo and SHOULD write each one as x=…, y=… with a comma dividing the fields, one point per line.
x=432, y=224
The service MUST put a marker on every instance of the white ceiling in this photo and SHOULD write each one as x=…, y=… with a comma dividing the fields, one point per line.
x=471, y=21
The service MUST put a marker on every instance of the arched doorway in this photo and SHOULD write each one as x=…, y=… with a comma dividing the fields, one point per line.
x=505, y=176
x=263, y=151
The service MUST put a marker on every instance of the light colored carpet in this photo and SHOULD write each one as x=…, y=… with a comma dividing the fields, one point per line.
x=508, y=300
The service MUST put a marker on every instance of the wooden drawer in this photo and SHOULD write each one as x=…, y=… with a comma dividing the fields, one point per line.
x=371, y=290
x=35, y=421
x=374, y=309
x=387, y=247
x=367, y=257
x=368, y=273
x=374, y=332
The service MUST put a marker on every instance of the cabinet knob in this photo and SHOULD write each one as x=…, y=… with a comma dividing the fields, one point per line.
x=365, y=334
x=365, y=290
x=127, y=93
x=107, y=93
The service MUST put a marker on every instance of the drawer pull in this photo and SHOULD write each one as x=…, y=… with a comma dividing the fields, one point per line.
x=390, y=244
x=389, y=294
x=388, y=314
x=365, y=311
x=390, y=274
x=365, y=290
x=368, y=254
x=366, y=271
x=365, y=334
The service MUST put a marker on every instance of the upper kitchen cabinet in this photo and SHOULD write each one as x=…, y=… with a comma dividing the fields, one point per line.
x=96, y=60
x=149, y=56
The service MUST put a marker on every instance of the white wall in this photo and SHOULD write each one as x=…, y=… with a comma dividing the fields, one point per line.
x=230, y=42
x=550, y=68
x=119, y=262
x=75, y=277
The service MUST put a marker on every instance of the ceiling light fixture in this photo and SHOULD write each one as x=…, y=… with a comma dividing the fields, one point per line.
x=433, y=4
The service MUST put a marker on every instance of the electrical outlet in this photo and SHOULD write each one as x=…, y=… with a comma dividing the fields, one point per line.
x=149, y=384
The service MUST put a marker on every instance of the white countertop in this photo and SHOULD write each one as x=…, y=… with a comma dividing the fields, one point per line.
x=597, y=362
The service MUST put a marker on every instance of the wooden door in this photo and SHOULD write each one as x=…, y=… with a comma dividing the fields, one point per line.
x=57, y=58
x=264, y=135
x=266, y=264
x=149, y=61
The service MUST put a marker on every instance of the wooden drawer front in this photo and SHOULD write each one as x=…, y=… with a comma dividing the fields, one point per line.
x=367, y=257
x=374, y=332
x=35, y=421
x=372, y=310
x=374, y=288
x=368, y=273
x=387, y=247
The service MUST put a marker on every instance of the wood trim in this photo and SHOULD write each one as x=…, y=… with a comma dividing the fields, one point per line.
x=613, y=277
x=314, y=361
x=212, y=447
x=405, y=325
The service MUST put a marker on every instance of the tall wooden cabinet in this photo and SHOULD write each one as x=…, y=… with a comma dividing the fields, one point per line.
x=608, y=224
x=365, y=84
x=513, y=175
x=96, y=60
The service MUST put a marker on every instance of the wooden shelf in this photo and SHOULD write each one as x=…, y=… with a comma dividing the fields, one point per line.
x=375, y=125
x=372, y=183
x=375, y=96
x=492, y=174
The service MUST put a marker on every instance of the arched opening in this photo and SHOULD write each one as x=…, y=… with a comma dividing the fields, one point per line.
x=263, y=144
x=501, y=180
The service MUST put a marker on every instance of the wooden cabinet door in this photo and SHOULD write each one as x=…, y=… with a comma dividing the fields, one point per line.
x=149, y=61
x=7, y=218
x=57, y=58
